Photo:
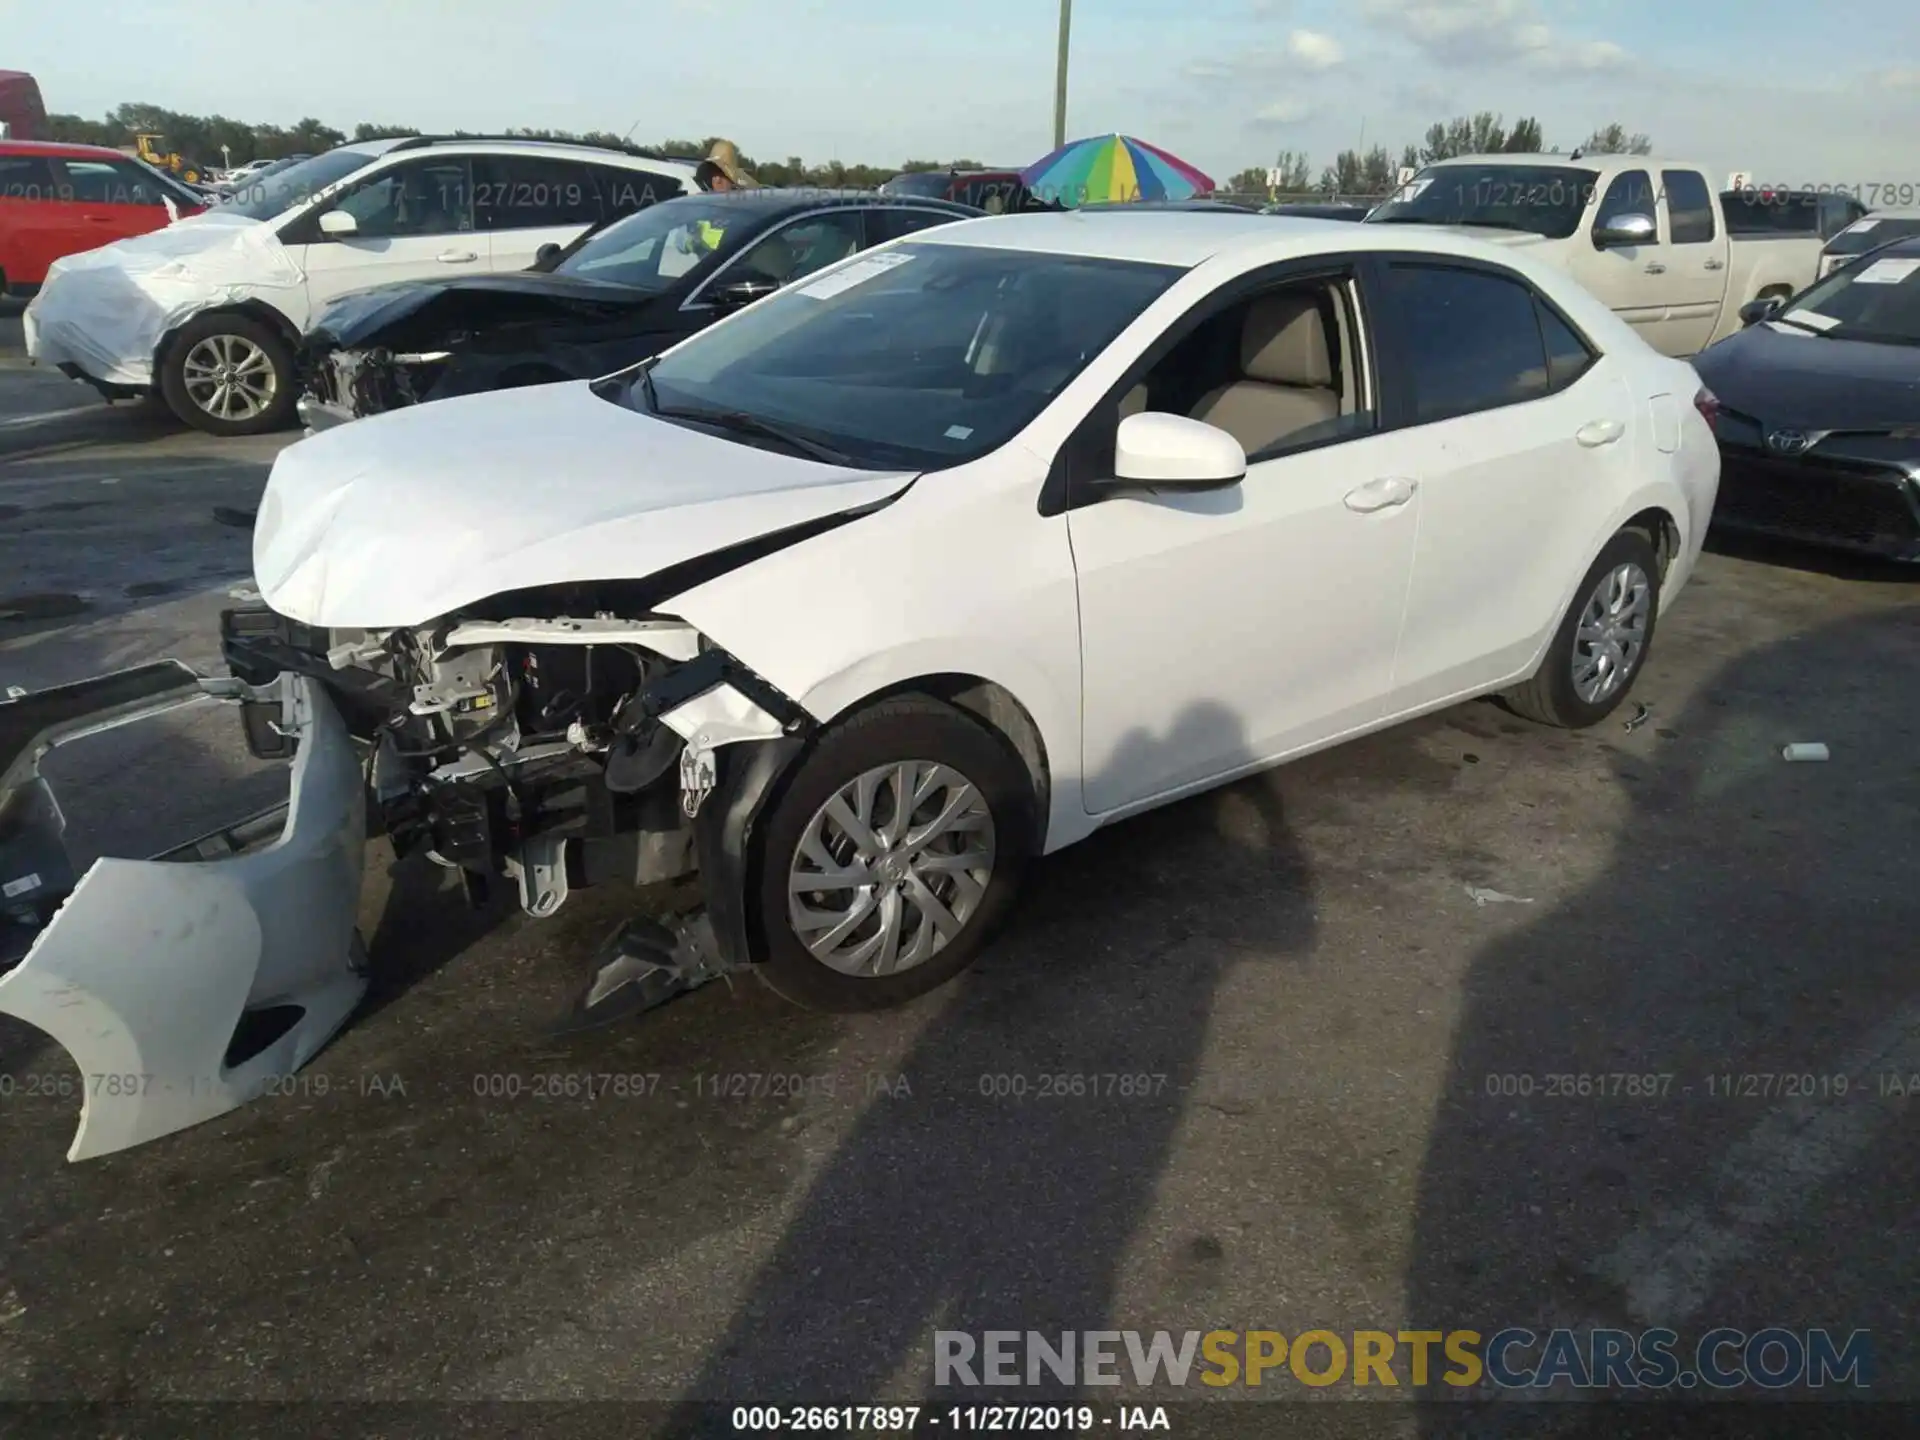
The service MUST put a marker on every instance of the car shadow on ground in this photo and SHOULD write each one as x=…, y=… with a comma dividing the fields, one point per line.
x=999, y=1198
x=1748, y=926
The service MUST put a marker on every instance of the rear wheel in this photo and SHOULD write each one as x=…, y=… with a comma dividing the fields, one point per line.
x=229, y=374
x=890, y=856
x=1603, y=640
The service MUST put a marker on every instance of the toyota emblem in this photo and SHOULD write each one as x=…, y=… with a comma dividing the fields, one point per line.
x=1788, y=442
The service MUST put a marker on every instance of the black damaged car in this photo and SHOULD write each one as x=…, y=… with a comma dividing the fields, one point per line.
x=1819, y=411
x=615, y=296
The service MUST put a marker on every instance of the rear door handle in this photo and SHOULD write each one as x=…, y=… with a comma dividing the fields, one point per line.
x=1599, y=432
x=1716, y=265
x=1381, y=494
x=456, y=257
x=1656, y=268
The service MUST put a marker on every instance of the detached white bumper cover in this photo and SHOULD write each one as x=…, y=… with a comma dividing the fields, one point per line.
x=145, y=973
x=106, y=310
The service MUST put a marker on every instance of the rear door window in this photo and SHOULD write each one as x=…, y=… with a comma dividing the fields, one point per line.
x=534, y=192
x=1471, y=340
x=1689, y=207
x=26, y=177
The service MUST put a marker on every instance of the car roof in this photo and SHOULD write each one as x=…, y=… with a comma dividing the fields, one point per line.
x=518, y=145
x=60, y=147
x=1893, y=212
x=1536, y=157
x=1186, y=239
x=802, y=197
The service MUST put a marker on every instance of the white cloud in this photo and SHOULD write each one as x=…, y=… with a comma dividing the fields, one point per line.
x=1315, y=50
x=1476, y=33
x=1290, y=111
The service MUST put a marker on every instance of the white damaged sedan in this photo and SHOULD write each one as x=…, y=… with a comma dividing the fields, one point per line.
x=867, y=594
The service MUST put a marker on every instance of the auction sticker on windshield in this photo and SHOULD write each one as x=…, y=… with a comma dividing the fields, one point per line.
x=867, y=268
x=1886, y=272
x=1813, y=319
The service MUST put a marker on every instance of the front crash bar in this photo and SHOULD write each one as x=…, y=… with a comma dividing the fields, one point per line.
x=182, y=990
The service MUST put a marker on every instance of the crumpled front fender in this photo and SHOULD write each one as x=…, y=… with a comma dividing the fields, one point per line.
x=183, y=989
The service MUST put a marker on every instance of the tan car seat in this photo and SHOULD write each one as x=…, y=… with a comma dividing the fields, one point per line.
x=1286, y=379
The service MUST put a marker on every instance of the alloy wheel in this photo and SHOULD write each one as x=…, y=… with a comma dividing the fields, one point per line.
x=1612, y=633
x=229, y=377
x=891, y=868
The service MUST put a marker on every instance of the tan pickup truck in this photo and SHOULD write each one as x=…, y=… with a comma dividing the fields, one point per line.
x=1649, y=237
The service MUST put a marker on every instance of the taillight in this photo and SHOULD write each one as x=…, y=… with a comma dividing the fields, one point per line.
x=1708, y=404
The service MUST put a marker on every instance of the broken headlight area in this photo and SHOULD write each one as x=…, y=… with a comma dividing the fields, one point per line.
x=551, y=751
x=372, y=381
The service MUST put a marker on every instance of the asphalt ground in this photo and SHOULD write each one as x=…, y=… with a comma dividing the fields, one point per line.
x=1374, y=1097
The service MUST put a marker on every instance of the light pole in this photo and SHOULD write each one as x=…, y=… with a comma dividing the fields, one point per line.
x=1060, y=78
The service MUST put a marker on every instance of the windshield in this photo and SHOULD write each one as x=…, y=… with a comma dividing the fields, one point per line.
x=1539, y=199
x=265, y=196
x=1878, y=302
x=918, y=356
x=1871, y=234
x=652, y=249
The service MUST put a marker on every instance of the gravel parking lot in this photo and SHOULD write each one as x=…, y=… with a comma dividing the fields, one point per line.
x=1337, y=1020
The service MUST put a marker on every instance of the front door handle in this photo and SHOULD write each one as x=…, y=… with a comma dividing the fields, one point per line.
x=1381, y=494
x=1656, y=268
x=456, y=257
x=1599, y=432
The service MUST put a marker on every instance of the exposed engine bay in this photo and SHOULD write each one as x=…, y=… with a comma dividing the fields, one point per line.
x=552, y=750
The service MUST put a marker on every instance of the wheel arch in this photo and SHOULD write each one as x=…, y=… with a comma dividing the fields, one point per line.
x=1014, y=702
x=1652, y=512
x=252, y=309
x=1000, y=710
x=1662, y=530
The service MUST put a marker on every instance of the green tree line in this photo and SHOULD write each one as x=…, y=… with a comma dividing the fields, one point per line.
x=1375, y=171
x=201, y=137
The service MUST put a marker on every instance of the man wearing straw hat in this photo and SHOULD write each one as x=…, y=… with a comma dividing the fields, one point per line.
x=721, y=171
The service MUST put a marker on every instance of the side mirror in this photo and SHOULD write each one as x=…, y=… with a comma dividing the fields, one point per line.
x=545, y=255
x=1153, y=448
x=1754, y=311
x=743, y=292
x=338, y=222
x=1626, y=230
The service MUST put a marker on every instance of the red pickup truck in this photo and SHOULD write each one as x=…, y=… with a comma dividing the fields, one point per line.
x=57, y=200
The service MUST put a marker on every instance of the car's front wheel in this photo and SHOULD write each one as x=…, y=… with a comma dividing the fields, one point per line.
x=229, y=374
x=1603, y=640
x=890, y=855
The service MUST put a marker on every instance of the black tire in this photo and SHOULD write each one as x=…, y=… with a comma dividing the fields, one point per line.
x=278, y=414
x=912, y=727
x=1549, y=696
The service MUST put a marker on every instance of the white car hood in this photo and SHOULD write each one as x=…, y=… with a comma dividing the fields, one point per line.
x=106, y=310
x=404, y=517
x=1513, y=239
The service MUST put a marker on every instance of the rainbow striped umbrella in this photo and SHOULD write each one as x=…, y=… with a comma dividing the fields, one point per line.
x=1106, y=169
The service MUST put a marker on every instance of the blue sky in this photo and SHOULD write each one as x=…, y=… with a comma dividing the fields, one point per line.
x=1790, y=92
